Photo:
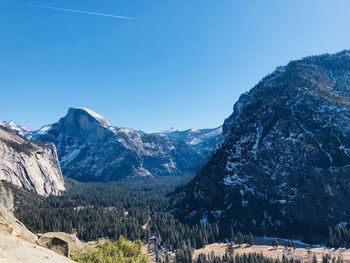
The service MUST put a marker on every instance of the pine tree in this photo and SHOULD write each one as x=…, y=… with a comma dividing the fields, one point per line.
x=251, y=239
x=293, y=245
x=275, y=243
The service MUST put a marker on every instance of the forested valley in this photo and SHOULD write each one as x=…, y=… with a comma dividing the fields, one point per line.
x=135, y=209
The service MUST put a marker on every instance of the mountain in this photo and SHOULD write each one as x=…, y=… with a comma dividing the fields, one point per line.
x=284, y=162
x=21, y=130
x=90, y=149
x=29, y=165
x=203, y=141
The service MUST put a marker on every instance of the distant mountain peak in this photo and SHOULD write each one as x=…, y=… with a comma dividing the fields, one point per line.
x=97, y=116
x=171, y=129
x=90, y=149
x=19, y=129
x=80, y=114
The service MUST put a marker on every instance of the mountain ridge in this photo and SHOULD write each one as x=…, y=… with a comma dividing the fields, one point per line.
x=90, y=148
x=283, y=161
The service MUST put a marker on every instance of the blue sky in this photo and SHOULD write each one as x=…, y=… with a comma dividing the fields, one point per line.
x=177, y=64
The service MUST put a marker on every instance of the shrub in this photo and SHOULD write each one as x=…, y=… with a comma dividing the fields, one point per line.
x=120, y=251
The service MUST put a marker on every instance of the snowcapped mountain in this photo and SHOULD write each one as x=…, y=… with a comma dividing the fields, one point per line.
x=202, y=140
x=90, y=149
x=284, y=163
x=21, y=130
x=29, y=165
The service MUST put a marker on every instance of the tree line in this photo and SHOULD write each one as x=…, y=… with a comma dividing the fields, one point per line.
x=339, y=236
x=134, y=209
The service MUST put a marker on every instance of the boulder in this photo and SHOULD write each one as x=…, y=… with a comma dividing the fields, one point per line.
x=62, y=243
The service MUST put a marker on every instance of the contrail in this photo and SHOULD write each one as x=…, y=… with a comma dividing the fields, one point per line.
x=68, y=10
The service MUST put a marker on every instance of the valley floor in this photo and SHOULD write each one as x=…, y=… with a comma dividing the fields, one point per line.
x=302, y=253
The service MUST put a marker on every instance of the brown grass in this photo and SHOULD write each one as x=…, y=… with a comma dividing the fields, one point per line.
x=303, y=254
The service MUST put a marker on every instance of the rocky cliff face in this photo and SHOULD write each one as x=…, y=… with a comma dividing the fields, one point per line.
x=284, y=163
x=6, y=198
x=29, y=165
x=17, y=243
x=90, y=149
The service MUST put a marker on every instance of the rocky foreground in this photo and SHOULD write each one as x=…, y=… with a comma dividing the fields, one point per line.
x=17, y=243
x=15, y=249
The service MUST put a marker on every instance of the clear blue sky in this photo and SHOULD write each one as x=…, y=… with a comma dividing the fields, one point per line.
x=177, y=64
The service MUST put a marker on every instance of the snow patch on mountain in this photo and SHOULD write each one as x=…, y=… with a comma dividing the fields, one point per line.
x=21, y=130
x=97, y=116
x=284, y=157
x=44, y=129
x=90, y=148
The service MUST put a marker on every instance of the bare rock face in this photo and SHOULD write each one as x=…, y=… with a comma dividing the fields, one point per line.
x=62, y=243
x=10, y=225
x=284, y=163
x=6, y=198
x=29, y=165
x=17, y=244
x=8, y=222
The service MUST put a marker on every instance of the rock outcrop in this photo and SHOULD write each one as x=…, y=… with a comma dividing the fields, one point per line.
x=62, y=243
x=6, y=198
x=18, y=245
x=10, y=225
x=32, y=166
